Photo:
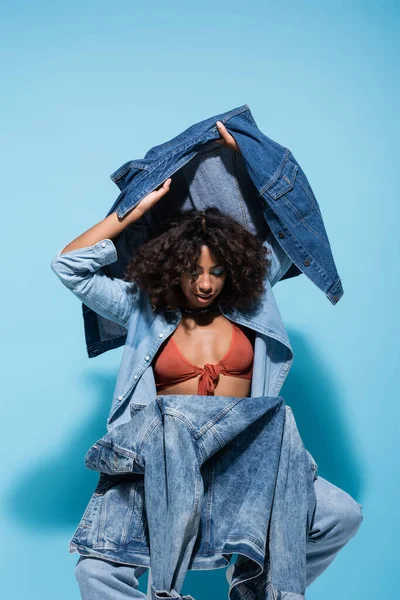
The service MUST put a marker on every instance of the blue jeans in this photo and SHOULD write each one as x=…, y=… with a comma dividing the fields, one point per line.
x=336, y=520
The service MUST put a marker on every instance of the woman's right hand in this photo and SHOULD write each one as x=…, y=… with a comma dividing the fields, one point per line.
x=113, y=225
x=148, y=201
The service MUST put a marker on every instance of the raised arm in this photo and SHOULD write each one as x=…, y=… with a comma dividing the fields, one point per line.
x=280, y=261
x=78, y=264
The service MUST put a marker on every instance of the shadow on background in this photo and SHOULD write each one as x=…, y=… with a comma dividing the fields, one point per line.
x=54, y=492
x=311, y=391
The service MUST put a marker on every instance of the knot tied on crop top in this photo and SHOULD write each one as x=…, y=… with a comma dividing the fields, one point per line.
x=171, y=367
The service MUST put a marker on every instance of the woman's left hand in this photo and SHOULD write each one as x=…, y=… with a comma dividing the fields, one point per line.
x=227, y=139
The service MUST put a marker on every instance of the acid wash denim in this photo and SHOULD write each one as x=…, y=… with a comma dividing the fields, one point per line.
x=263, y=187
x=244, y=455
x=118, y=312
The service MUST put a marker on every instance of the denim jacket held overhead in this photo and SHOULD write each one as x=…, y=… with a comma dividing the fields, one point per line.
x=262, y=186
x=117, y=312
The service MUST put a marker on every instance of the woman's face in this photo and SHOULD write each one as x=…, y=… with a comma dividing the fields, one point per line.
x=207, y=280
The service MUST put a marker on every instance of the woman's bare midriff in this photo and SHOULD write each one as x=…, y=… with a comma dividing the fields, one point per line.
x=226, y=386
x=207, y=342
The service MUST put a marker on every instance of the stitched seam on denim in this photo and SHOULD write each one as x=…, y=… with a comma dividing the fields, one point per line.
x=83, y=522
x=249, y=539
x=221, y=441
x=267, y=331
x=181, y=417
x=235, y=112
x=311, y=196
x=139, y=531
x=131, y=164
x=301, y=248
x=118, y=449
x=238, y=195
x=108, y=343
x=302, y=218
x=153, y=425
x=198, y=488
x=217, y=417
x=98, y=532
x=208, y=507
x=192, y=141
x=82, y=297
x=282, y=193
x=128, y=513
x=336, y=283
x=280, y=379
x=145, y=365
x=293, y=208
x=112, y=466
x=277, y=173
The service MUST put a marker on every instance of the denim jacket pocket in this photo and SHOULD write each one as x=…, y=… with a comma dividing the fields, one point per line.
x=123, y=503
x=293, y=189
x=285, y=182
x=114, y=462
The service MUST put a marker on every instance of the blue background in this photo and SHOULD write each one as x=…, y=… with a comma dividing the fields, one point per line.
x=88, y=86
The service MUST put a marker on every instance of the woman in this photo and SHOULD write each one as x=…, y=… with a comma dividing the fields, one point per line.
x=206, y=354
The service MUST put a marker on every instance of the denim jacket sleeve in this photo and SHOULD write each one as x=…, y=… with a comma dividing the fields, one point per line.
x=80, y=271
x=280, y=261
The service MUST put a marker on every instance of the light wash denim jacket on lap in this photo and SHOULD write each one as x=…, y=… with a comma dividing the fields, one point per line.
x=266, y=521
x=220, y=475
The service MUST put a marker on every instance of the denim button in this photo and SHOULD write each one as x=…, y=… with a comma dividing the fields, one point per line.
x=147, y=357
x=306, y=262
x=103, y=245
x=281, y=234
x=135, y=376
x=119, y=397
x=160, y=335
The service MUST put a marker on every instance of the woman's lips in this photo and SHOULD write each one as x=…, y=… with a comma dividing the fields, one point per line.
x=206, y=299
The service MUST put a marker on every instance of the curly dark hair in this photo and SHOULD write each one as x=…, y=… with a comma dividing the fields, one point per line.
x=174, y=248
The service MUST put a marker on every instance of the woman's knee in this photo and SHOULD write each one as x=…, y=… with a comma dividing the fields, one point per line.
x=336, y=510
x=350, y=516
x=87, y=568
x=101, y=578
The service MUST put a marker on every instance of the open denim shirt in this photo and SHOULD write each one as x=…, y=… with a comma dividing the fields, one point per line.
x=264, y=188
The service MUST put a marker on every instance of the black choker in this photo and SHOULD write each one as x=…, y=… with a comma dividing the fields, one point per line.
x=197, y=311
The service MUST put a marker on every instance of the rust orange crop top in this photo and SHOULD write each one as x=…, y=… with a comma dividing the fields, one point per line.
x=171, y=367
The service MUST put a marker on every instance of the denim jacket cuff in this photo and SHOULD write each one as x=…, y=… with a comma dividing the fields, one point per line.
x=104, y=250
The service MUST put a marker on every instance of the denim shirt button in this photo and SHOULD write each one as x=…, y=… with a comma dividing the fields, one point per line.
x=119, y=398
x=306, y=262
x=160, y=335
x=135, y=376
x=103, y=245
x=281, y=234
x=147, y=357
